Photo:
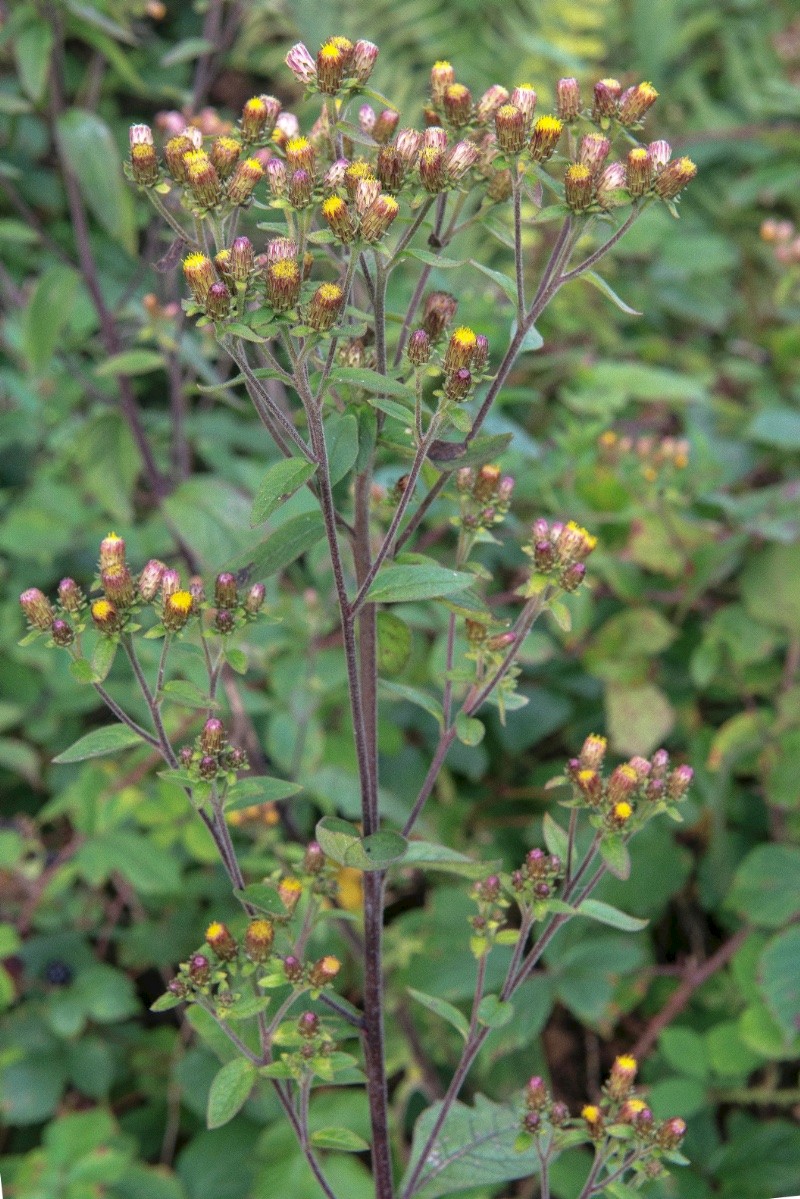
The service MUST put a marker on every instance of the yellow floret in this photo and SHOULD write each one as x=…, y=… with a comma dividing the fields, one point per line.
x=622, y=810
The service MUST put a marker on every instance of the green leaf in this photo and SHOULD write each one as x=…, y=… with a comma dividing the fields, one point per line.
x=778, y=426
x=413, y=695
x=130, y=362
x=506, y=284
x=430, y=259
x=108, y=740
x=341, y=437
x=339, y=1139
x=482, y=450
x=47, y=313
x=373, y=382
x=469, y=730
x=187, y=50
x=416, y=581
x=88, y=146
x=394, y=643
x=343, y=842
x=426, y=855
x=441, y=1007
x=608, y=291
x=81, y=670
x=187, y=695
x=103, y=658
x=248, y=792
x=779, y=980
x=286, y=544
x=595, y=909
x=165, y=1002
x=280, y=482
x=33, y=46
x=555, y=838
x=229, y=1091
x=766, y=887
x=265, y=897
x=493, y=1012
x=475, y=1148
x=236, y=659
x=638, y=718
x=615, y=854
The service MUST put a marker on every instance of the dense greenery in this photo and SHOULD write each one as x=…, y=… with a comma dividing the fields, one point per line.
x=689, y=634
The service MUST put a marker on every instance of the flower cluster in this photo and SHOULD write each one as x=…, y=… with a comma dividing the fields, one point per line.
x=485, y=497
x=123, y=594
x=624, y=1132
x=633, y=791
x=652, y=456
x=537, y=880
x=784, y=237
x=559, y=552
x=211, y=757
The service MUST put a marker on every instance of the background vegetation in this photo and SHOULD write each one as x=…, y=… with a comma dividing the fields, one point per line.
x=690, y=635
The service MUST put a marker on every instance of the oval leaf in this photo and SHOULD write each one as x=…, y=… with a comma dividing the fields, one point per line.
x=416, y=581
x=595, y=909
x=107, y=740
x=282, y=480
x=440, y=1007
x=341, y=1139
x=229, y=1091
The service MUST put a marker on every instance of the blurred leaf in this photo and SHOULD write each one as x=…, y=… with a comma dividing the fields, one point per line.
x=779, y=974
x=766, y=888
x=33, y=46
x=130, y=362
x=440, y=1007
x=638, y=718
x=394, y=643
x=87, y=145
x=604, y=913
x=281, y=481
x=230, y=1091
x=108, y=740
x=341, y=1140
x=47, y=313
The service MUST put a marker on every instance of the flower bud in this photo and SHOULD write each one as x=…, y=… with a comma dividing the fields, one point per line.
x=568, y=95
x=480, y=355
x=286, y=127
x=593, y=150
x=460, y=349
x=432, y=172
x=500, y=186
x=509, y=124
x=339, y=220
x=635, y=102
x=199, y=969
x=208, y=767
x=639, y=171
x=366, y=118
x=283, y=285
x=258, y=940
x=218, y=302
x=492, y=99
x=418, y=350
x=224, y=154
x=363, y=60
x=243, y=181
x=442, y=77
x=254, y=600
x=112, y=551
x=62, y=632
x=314, y=859
x=236, y=759
x=365, y=194
x=301, y=64
x=259, y=115
x=440, y=308
x=144, y=164
x=331, y=64
x=185, y=756
x=620, y=814
x=220, y=939
x=174, y=152
x=674, y=178
x=242, y=259
x=290, y=890
x=679, y=782
x=225, y=591
x=308, y=1025
x=605, y=97
x=224, y=621
x=178, y=987
x=622, y=783
x=118, y=585
x=593, y=752
x=70, y=596
x=524, y=97
x=671, y=1133
x=559, y=1114
x=200, y=276
x=660, y=153
x=630, y=1110
x=578, y=187
x=532, y=1122
x=594, y=1119
x=459, y=159
x=325, y=306
x=301, y=189
x=379, y=217
x=276, y=178
x=590, y=785
x=293, y=968
x=170, y=582
x=408, y=145
x=212, y=738
x=38, y=609
x=105, y=616
x=385, y=125
x=457, y=385
x=610, y=191
x=457, y=104
x=536, y=1096
x=391, y=168
x=202, y=179
x=622, y=1076
x=544, y=139
x=486, y=483
x=324, y=971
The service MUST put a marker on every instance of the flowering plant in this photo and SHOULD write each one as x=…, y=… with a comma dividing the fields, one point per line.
x=342, y=386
